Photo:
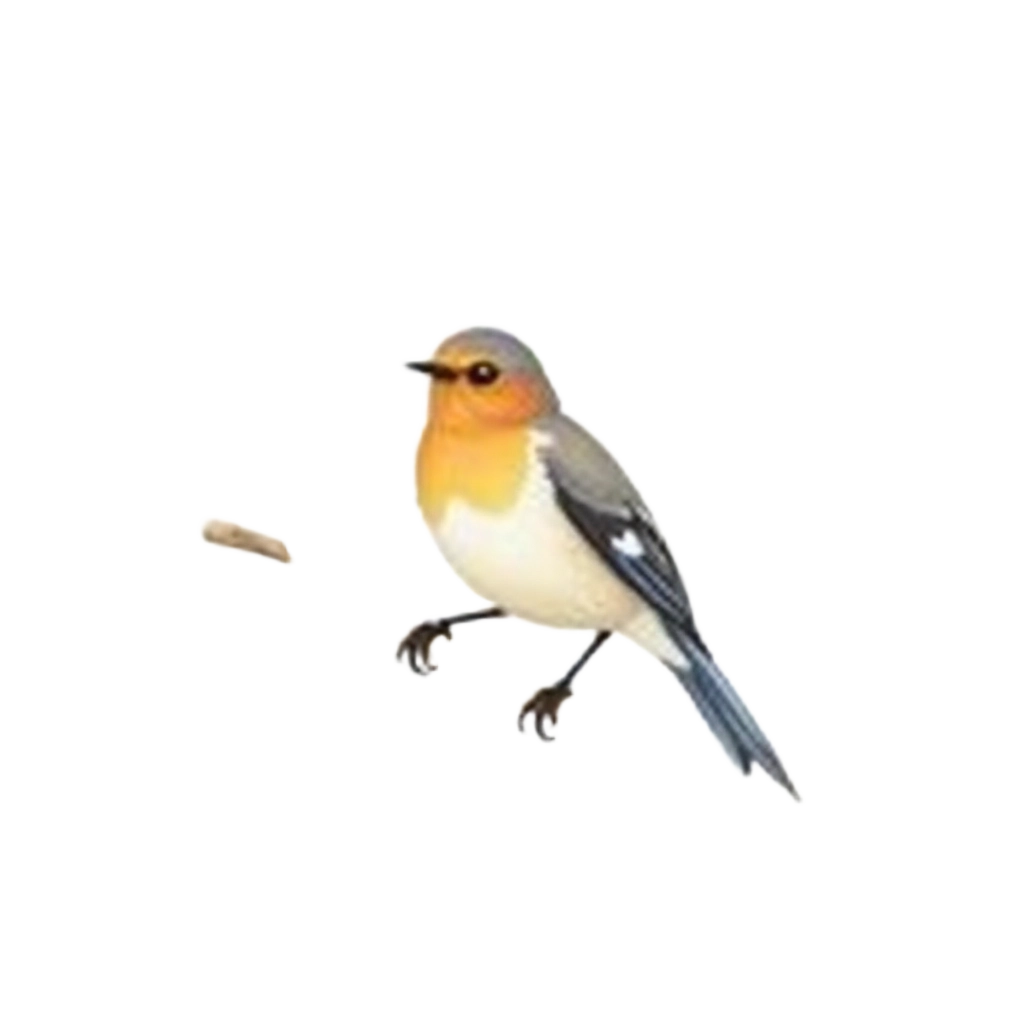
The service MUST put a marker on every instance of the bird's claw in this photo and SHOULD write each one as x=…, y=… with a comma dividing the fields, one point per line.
x=416, y=646
x=544, y=704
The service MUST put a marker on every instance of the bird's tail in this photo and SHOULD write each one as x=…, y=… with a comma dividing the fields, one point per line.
x=723, y=710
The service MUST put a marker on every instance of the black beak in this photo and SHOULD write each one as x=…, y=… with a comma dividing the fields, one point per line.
x=436, y=370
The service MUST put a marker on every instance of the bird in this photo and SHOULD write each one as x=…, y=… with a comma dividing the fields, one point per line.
x=540, y=520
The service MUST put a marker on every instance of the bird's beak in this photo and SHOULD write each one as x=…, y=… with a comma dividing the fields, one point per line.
x=436, y=370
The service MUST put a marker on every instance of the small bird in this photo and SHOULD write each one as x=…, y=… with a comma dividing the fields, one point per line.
x=536, y=516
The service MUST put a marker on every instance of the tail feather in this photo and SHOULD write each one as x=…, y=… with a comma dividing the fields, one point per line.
x=725, y=713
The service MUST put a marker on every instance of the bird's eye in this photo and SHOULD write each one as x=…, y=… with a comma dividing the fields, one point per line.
x=482, y=374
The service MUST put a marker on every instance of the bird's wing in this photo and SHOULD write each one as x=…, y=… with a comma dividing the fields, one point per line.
x=598, y=496
x=602, y=503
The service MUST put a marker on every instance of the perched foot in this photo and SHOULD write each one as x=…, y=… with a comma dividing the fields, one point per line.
x=545, y=704
x=416, y=646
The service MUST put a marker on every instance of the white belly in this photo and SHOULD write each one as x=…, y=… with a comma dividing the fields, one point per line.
x=530, y=561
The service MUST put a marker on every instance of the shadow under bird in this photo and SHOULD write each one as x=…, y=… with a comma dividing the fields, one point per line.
x=536, y=516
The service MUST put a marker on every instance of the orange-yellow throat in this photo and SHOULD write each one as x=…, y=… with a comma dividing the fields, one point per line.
x=485, y=468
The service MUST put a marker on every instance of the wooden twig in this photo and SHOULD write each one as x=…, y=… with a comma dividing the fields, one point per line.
x=402, y=548
x=244, y=539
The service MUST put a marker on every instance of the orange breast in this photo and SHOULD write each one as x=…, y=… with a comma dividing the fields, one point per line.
x=485, y=468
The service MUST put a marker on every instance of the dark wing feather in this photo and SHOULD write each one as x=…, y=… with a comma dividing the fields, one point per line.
x=650, y=571
x=600, y=500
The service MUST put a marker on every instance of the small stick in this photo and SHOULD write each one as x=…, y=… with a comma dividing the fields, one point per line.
x=352, y=547
x=229, y=535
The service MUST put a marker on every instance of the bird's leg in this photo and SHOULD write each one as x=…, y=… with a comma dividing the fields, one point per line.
x=416, y=646
x=546, y=702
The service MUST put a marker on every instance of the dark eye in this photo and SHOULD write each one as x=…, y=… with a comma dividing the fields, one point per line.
x=482, y=374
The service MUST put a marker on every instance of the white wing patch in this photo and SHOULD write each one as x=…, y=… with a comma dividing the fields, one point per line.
x=629, y=544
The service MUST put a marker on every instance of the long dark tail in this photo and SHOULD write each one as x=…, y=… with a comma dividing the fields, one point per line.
x=723, y=710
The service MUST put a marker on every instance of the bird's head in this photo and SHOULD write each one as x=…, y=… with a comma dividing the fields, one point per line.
x=485, y=378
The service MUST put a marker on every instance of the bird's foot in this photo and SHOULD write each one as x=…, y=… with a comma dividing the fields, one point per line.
x=416, y=646
x=545, y=704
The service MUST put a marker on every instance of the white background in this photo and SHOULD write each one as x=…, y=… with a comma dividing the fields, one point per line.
x=769, y=253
